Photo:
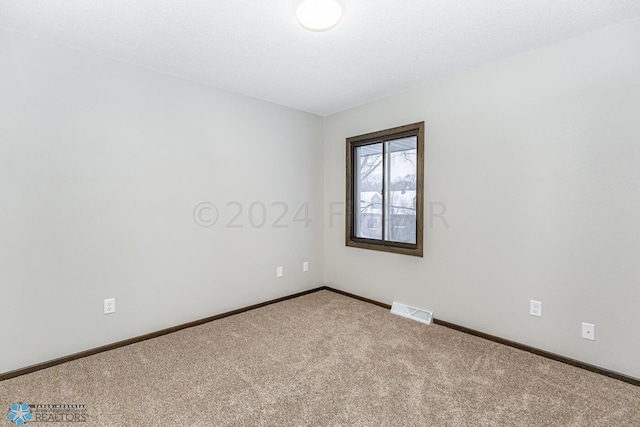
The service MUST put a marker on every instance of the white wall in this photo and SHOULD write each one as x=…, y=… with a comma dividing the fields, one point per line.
x=537, y=159
x=101, y=166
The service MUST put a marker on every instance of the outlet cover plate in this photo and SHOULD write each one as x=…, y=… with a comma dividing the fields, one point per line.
x=109, y=305
x=588, y=331
x=535, y=308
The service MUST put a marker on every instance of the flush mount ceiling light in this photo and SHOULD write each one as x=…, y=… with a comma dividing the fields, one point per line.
x=319, y=15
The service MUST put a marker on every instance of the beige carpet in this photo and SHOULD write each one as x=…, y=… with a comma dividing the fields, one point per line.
x=325, y=360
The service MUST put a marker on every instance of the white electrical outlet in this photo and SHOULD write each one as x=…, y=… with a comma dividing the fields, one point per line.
x=535, y=308
x=305, y=266
x=279, y=272
x=109, y=305
x=588, y=331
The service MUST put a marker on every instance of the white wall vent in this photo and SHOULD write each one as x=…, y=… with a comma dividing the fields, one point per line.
x=418, y=314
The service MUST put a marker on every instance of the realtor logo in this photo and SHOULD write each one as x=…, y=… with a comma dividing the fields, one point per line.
x=20, y=413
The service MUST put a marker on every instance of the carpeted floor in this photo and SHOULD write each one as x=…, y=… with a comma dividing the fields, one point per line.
x=325, y=360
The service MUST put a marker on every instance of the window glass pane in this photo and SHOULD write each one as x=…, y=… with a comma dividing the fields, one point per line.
x=401, y=190
x=368, y=191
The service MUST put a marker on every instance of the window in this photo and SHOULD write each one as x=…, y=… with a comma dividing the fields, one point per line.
x=385, y=181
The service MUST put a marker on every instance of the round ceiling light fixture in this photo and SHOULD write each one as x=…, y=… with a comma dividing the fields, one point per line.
x=319, y=15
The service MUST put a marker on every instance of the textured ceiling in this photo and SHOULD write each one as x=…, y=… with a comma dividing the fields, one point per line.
x=257, y=48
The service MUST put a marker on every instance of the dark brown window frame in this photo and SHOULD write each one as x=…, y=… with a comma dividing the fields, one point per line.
x=415, y=129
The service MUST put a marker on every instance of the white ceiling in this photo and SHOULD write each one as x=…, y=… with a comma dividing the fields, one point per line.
x=257, y=48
